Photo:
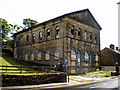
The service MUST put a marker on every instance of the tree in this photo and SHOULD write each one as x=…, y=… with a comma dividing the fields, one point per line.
x=15, y=28
x=5, y=29
x=29, y=22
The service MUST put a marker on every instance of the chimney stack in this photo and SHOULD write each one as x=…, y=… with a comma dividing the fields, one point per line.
x=112, y=46
x=116, y=48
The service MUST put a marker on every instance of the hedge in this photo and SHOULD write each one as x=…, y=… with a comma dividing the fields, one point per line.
x=19, y=80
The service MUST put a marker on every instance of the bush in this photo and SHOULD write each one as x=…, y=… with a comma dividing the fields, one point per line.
x=107, y=74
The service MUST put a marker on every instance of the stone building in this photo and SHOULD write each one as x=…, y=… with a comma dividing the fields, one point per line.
x=110, y=58
x=72, y=39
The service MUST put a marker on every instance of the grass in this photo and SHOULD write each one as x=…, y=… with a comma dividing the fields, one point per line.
x=5, y=61
x=105, y=73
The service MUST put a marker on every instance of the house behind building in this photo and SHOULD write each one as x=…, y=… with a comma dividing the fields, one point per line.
x=110, y=58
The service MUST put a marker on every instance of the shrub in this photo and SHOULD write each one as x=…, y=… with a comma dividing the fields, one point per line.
x=107, y=74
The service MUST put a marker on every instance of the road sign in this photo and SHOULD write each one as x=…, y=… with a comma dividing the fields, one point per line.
x=65, y=61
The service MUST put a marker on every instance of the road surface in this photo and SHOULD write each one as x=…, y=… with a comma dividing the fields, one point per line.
x=113, y=84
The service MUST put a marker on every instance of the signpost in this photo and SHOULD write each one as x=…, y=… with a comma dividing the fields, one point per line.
x=66, y=63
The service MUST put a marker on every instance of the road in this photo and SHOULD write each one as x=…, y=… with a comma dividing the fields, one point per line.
x=113, y=84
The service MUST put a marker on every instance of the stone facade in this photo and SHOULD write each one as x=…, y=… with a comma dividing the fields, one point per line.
x=72, y=39
x=110, y=57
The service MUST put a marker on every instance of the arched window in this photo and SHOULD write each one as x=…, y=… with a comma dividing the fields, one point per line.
x=40, y=35
x=95, y=38
x=32, y=55
x=86, y=56
x=57, y=32
x=26, y=56
x=79, y=33
x=91, y=59
x=27, y=38
x=47, y=55
x=57, y=54
x=72, y=31
x=33, y=37
x=85, y=35
x=79, y=58
x=90, y=36
x=48, y=34
x=96, y=57
x=73, y=55
x=39, y=55
x=17, y=43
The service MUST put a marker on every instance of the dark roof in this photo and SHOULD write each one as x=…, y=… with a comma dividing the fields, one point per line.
x=68, y=14
x=115, y=51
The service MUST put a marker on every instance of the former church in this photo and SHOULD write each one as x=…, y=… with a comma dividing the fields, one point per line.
x=72, y=39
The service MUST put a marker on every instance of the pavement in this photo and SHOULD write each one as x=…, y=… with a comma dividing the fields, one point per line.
x=73, y=80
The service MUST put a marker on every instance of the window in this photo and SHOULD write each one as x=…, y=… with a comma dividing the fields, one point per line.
x=95, y=38
x=90, y=59
x=90, y=36
x=57, y=32
x=79, y=32
x=73, y=55
x=27, y=38
x=39, y=55
x=33, y=37
x=86, y=57
x=57, y=54
x=40, y=36
x=21, y=41
x=85, y=35
x=48, y=34
x=47, y=55
x=96, y=57
x=72, y=31
x=79, y=59
x=26, y=56
x=32, y=55
x=17, y=43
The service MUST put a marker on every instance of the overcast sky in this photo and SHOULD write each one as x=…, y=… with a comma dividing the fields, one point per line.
x=104, y=11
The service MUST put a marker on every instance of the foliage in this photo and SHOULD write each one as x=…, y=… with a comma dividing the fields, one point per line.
x=4, y=27
x=97, y=72
x=105, y=73
x=29, y=22
x=8, y=29
x=10, y=43
x=15, y=28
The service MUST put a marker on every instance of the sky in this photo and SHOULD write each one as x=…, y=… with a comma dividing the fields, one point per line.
x=104, y=11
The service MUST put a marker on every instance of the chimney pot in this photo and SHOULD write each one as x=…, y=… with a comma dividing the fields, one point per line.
x=112, y=46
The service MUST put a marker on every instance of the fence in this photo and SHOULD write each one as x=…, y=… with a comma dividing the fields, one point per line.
x=27, y=69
